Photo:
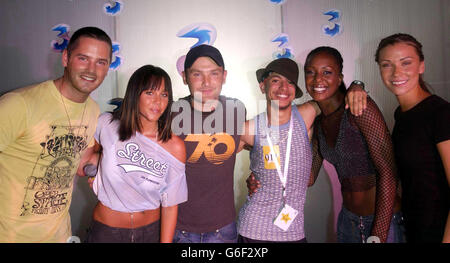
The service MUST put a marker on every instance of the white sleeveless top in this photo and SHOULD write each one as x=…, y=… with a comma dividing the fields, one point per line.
x=258, y=213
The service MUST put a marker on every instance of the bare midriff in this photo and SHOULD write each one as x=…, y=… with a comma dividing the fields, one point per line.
x=112, y=218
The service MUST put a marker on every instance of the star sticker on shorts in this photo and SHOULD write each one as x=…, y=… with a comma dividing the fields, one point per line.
x=285, y=218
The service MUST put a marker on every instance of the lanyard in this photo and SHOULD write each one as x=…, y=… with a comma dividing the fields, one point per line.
x=282, y=176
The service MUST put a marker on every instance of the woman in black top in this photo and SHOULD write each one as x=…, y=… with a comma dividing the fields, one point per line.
x=421, y=138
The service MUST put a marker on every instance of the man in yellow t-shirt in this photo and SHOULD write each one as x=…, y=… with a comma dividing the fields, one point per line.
x=44, y=130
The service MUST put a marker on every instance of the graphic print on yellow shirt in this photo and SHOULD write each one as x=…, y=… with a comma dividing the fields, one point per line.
x=41, y=142
x=48, y=186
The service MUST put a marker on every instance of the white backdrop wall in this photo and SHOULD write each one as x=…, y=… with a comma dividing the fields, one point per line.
x=147, y=31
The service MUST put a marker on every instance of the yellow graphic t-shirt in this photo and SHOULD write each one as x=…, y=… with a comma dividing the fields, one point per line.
x=42, y=137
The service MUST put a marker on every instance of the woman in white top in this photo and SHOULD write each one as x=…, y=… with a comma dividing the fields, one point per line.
x=141, y=165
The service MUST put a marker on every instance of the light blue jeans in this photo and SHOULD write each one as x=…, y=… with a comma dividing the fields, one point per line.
x=226, y=234
x=351, y=228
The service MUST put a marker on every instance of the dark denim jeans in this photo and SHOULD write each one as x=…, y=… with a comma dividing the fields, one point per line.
x=351, y=227
x=226, y=234
x=101, y=233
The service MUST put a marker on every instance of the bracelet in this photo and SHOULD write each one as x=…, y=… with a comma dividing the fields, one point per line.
x=359, y=82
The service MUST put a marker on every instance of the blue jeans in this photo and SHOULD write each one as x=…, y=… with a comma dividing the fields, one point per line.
x=247, y=240
x=351, y=227
x=226, y=234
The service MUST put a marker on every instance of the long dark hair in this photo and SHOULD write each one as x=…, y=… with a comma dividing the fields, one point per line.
x=332, y=52
x=409, y=40
x=147, y=77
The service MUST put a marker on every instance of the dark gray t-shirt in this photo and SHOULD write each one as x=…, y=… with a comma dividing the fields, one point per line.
x=211, y=140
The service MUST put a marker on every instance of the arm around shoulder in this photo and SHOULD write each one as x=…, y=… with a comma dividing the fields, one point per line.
x=309, y=111
x=376, y=134
x=373, y=127
x=356, y=98
x=248, y=136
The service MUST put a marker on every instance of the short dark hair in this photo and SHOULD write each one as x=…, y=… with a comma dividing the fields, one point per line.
x=332, y=52
x=92, y=32
x=409, y=40
x=147, y=77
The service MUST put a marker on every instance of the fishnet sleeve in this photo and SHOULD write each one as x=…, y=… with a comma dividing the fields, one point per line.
x=317, y=157
x=373, y=127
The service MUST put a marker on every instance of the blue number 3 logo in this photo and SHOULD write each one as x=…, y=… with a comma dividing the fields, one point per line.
x=336, y=27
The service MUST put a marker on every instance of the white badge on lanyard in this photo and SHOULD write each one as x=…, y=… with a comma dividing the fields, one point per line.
x=287, y=213
x=285, y=217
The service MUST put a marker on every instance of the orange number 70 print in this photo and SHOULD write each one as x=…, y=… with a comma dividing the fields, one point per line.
x=206, y=145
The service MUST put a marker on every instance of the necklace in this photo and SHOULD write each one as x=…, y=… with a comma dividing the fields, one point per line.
x=25, y=207
x=71, y=128
x=148, y=134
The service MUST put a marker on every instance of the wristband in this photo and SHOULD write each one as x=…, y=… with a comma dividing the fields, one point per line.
x=358, y=82
x=90, y=170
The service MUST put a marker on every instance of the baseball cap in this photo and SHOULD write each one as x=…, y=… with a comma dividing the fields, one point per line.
x=203, y=51
x=285, y=67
